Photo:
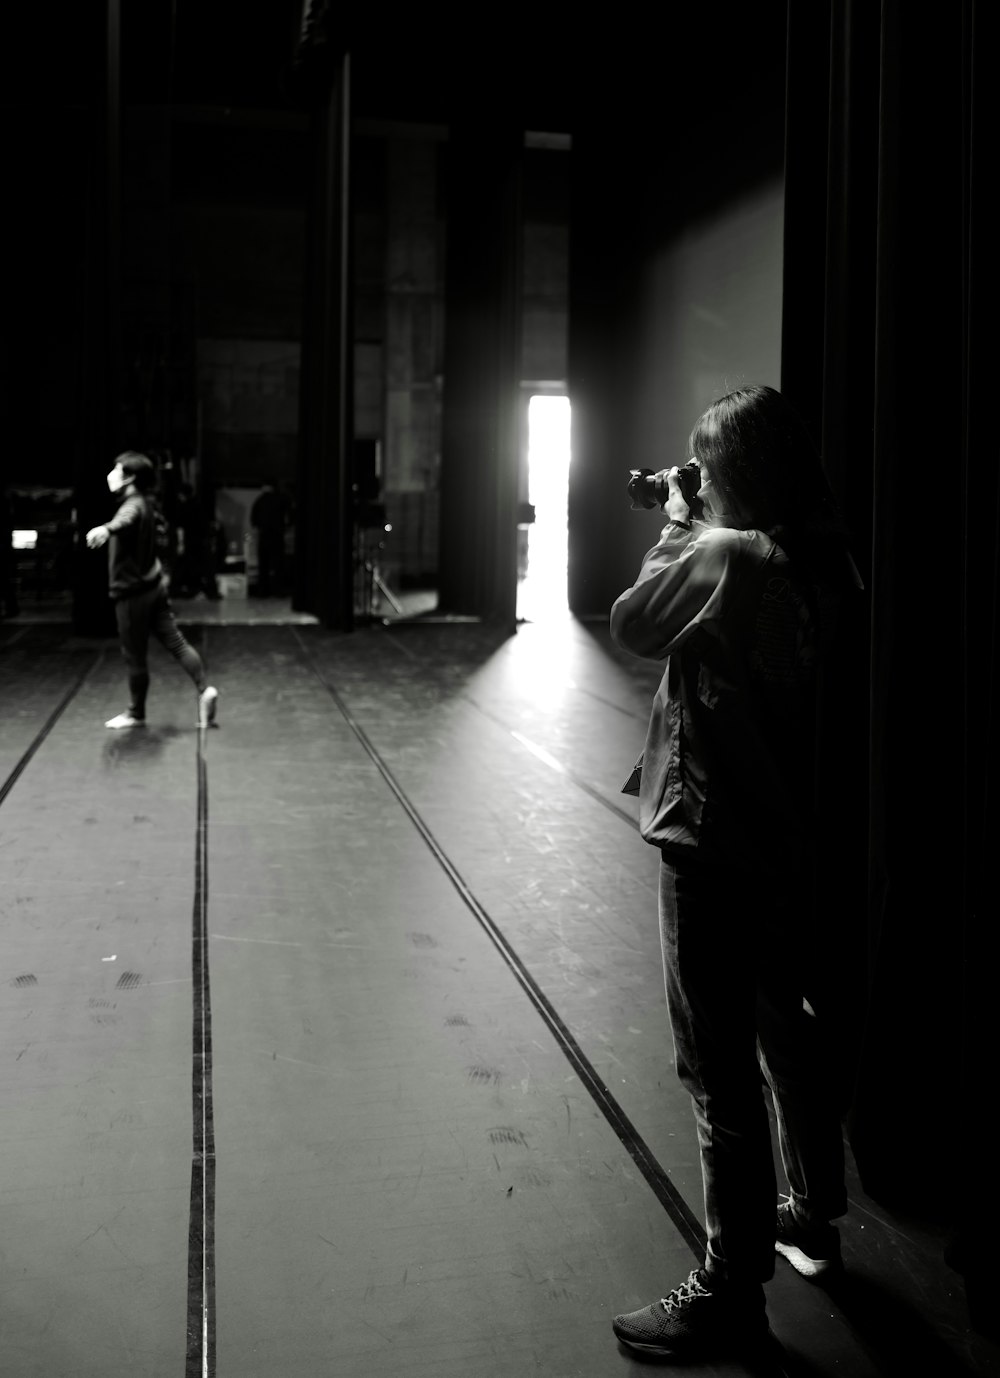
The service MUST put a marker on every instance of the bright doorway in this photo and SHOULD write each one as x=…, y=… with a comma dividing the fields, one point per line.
x=543, y=547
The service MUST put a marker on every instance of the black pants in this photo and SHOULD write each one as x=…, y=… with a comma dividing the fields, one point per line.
x=270, y=562
x=733, y=958
x=150, y=614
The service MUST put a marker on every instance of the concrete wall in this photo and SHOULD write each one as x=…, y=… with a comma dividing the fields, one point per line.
x=398, y=335
x=545, y=265
x=249, y=409
x=701, y=316
x=239, y=208
x=711, y=320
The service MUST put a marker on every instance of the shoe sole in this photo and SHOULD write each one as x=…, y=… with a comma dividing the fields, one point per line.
x=641, y=1348
x=702, y=1351
x=802, y=1263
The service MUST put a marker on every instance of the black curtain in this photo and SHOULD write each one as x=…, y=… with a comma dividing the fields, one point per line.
x=890, y=295
x=479, y=442
x=100, y=370
x=319, y=80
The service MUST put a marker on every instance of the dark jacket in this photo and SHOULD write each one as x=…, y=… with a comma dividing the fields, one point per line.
x=268, y=513
x=133, y=565
x=727, y=773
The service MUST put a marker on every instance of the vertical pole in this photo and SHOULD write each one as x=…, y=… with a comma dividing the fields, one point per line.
x=324, y=536
x=92, y=612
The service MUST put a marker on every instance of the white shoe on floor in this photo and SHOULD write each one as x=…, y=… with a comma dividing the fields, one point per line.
x=207, y=701
x=125, y=720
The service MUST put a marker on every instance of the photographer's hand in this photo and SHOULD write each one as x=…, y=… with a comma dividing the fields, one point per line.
x=676, y=506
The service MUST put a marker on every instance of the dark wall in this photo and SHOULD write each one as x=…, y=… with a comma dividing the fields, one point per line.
x=238, y=213
x=675, y=270
x=51, y=140
x=545, y=199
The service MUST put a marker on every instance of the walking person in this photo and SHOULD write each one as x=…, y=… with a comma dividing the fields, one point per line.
x=138, y=586
x=267, y=516
x=737, y=600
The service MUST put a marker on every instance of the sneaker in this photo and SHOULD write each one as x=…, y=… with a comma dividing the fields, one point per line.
x=125, y=720
x=207, y=701
x=811, y=1249
x=696, y=1319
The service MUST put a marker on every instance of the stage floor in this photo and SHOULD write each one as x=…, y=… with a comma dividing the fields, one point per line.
x=335, y=1038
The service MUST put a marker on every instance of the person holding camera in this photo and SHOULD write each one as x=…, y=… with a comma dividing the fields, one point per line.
x=738, y=599
x=138, y=586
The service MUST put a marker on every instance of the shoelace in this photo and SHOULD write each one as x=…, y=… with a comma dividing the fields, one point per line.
x=687, y=1291
x=787, y=1210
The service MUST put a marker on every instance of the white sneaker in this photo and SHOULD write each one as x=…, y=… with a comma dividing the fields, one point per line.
x=125, y=720
x=207, y=701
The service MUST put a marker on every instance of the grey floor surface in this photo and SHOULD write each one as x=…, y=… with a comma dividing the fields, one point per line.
x=410, y=1174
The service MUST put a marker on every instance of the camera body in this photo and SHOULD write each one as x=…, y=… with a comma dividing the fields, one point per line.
x=648, y=489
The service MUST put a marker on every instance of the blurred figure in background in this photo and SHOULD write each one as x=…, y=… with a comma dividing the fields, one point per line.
x=267, y=516
x=138, y=586
x=194, y=565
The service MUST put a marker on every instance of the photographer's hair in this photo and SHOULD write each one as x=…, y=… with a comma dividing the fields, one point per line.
x=139, y=469
x=764, y=468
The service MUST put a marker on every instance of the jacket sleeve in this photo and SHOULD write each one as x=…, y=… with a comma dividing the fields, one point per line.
x=681, y=586
x=127, y=515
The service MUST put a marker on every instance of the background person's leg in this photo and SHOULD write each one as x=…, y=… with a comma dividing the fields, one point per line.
x=132, y=618
x=171, y=638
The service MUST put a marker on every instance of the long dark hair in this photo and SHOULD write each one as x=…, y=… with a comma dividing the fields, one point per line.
x=764, y=468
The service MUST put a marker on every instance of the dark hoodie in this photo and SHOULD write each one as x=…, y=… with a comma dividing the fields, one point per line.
x=133, y=565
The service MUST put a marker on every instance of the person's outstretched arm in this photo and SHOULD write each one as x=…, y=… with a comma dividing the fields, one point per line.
x=127, y=515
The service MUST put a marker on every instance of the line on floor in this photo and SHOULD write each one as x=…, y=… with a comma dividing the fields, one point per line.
x=545, y=757
x=201, y=1227
x=50, y=723
x=684, y=1220
x=549, y=760
x=609, y=703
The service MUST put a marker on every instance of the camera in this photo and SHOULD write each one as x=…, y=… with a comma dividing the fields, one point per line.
x=648, y=489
